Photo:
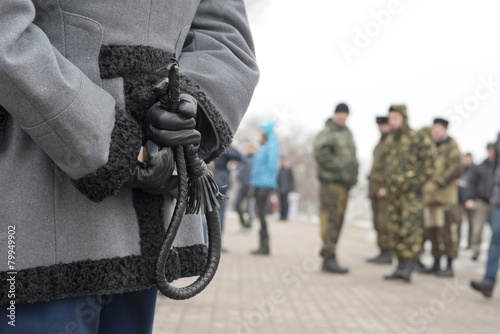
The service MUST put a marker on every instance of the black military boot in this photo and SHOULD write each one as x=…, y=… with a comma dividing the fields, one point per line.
x=408, y=266
x=384, y=257
x=485, y=287
x=436, y=267
x=448, y=272
x=397, y=273
x=263, y=248
x=403, y=271
x=330, y=265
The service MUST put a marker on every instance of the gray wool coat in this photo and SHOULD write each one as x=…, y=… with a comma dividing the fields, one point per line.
x=75, y=82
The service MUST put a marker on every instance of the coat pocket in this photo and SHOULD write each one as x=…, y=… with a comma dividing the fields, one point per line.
x=83, y=39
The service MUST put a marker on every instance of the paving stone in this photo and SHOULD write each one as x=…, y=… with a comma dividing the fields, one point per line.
x=287, y=292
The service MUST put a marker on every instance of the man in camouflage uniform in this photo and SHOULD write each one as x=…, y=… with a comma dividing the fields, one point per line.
x=409, y=162
x=442, y=215
x=335, y=154
x=379, y=203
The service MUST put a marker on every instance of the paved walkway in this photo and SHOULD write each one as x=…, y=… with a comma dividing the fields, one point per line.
x=287, y=292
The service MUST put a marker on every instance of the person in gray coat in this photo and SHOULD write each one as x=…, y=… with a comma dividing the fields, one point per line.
x=83, y=217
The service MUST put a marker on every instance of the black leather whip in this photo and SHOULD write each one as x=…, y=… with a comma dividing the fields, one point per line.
x=197, y=193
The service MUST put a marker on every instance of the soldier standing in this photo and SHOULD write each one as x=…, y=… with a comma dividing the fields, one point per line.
x=442, y=215
x=409, y=163
x=335, y=154
x=379, y=201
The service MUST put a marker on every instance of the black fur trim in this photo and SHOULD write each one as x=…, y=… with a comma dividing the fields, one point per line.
x=109, y=276
x=3, y=119
x=125, y=60
x=141, y=67
x=218, y=122
x=125, y=144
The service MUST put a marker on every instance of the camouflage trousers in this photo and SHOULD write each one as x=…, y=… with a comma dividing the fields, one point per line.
x=442, y=227
x=333, y=202
x=405, y=225
x=381, y=223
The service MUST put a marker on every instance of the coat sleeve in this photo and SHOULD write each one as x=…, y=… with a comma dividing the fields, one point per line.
x=324, y=151
x=427, y=158
x=470, y=189
x=219, y=68
x=70, y=118
x=454, y=169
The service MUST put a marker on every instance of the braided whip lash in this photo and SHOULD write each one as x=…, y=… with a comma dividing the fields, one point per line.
x=198, y=193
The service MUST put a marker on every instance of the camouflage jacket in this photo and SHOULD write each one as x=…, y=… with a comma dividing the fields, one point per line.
x=443, y=188
x=376, y=177
x=335, y=154
x=409, y=158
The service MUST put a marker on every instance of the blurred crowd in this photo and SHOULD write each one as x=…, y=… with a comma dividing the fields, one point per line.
x=422, y=188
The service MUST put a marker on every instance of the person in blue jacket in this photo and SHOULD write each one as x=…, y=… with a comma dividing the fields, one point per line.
x=263, y=179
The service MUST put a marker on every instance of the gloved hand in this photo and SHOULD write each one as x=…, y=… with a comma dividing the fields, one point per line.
x=168, y=128
x=155, y=174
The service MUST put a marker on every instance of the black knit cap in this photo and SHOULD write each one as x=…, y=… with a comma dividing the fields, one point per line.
x=342, y=107
x=441, y=121
x=382, y=120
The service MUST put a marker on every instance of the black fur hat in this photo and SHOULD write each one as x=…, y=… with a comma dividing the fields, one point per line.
x=441, y=121
x=342, y=107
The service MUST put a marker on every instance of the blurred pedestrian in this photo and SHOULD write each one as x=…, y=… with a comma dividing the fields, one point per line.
x=409, y=162
x=245, y=202
x=286, y=184
x=487, y=285
x=379, y=200
x=442, y=216
x=263, y=179
x=222, y=176
x=477, y=198
x=462, y=183
x=335, y=154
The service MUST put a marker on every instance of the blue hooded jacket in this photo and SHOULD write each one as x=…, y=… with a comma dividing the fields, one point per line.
x=264, y=172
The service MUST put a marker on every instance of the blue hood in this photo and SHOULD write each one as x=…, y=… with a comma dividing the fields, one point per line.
x=267, y=127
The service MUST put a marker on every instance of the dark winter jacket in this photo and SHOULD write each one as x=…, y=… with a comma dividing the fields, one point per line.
x=495, y=175
x=221, y=170
x=480, y=182
x=75, y=84
x=464, y=181
x=286, y=181
x=244, y=169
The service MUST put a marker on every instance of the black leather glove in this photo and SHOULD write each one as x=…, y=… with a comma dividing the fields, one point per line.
x=154, y=175
x=174, y=128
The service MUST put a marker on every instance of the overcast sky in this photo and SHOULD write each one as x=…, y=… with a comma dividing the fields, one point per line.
x=440, y=58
